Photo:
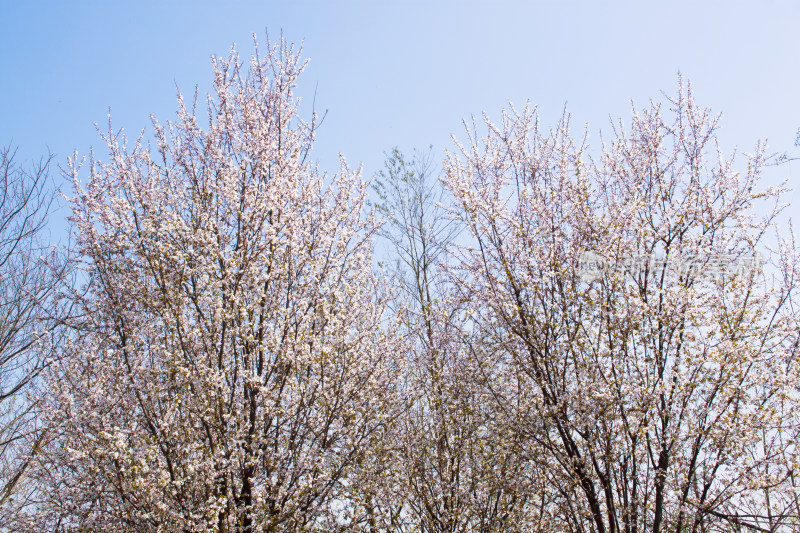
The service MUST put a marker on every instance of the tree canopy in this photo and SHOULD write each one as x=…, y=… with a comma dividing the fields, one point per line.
x=563, y=339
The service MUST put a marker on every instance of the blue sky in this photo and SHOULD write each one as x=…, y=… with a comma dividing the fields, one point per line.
x=402, y=73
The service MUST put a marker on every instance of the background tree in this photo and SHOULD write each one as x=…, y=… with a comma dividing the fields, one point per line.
x=228, y=368
x=654, y=379
x=451, y=470
x=28, y=270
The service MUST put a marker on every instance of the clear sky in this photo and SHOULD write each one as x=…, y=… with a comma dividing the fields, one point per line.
x=402, y=73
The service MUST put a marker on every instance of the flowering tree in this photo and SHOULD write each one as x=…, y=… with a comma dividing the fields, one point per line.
x=229, y=368
x=646, y=361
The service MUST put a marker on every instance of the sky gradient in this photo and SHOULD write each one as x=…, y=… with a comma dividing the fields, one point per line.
x=402, y=73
